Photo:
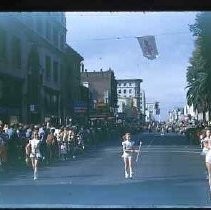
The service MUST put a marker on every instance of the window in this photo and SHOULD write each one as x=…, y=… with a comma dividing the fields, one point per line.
x=120, y=91
x=16, y=52
x=28, y=19
x=39, y=26
x=54, y=99
x=48, y=30
x=125, y=91
x=55, y=37
x=48, y=98
x=2, y=44
x=1, y=89
x=125, y=84
x=55, y=72
x=47, y=68
x=130, y=84
x=130, y=90
x=62, y=42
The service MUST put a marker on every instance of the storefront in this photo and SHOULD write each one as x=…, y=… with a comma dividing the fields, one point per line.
x=10, y=99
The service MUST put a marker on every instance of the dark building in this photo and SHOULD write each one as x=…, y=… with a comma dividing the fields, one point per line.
x=33, y=53
x=103, y=87
x=71, y=87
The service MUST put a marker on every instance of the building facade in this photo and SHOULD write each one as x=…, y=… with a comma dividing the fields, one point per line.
x=176, y=115
x=150, y=112
x=102, y=85
x=71, y=87
x=195, y=114
x=142, y=105
x=31, y=64
x=130, y=98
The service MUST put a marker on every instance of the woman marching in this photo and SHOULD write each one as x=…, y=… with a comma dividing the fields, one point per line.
x=128, y=151
x=34, y=154
x=206, y=145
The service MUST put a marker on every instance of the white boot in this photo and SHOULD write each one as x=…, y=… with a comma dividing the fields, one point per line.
x=126, y=175
x=35, y=175
x=131, y=174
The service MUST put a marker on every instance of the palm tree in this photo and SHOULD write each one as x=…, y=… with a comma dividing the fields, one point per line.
x=197, y=79
x=199, y=73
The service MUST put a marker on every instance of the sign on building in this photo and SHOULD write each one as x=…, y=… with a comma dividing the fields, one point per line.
x=80, y=107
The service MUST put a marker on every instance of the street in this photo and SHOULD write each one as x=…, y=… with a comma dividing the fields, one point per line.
x=170, y=173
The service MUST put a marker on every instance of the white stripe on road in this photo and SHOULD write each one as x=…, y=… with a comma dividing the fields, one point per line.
x=168, y=151
x=150, y=143
x=98, y=206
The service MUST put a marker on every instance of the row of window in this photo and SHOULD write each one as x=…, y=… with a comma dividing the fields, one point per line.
x=124, y=91
x=16, y=57
x=15, y=49
x=51, y=99
x=129, y=91
x=125, y=84
x=48, y=69
x=46, y=29
x=130, y=96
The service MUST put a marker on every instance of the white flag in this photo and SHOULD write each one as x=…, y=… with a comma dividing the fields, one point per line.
x=148, y=46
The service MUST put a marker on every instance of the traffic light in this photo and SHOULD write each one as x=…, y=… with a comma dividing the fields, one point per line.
x=156, y=105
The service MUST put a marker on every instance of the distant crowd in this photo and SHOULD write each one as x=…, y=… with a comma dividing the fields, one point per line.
x=191, y=130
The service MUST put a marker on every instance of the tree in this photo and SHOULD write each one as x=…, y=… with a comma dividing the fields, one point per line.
x=199, y=72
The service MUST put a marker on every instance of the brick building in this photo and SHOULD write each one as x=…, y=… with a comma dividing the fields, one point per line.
x=102, y=85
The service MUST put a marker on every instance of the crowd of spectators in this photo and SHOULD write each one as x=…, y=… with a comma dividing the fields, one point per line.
x=58, y=142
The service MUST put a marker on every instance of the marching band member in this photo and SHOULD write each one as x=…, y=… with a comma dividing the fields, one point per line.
x=128, y=151
x=207, y=143
x=35, y=155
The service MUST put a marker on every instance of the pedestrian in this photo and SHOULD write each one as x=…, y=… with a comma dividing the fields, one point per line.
x=3, y=146
x=208, y=154
x=63, y=150
x=50, y=143
x=35, y=154
x=128, y=153
x=162, y=131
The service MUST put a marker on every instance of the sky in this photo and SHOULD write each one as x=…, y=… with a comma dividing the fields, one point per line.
x=108, y=40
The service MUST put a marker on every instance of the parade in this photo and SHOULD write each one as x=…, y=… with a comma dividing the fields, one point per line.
x=105, y=108
x=21, y=143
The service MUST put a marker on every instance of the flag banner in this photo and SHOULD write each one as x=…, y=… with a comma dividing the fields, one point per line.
x=148, y=46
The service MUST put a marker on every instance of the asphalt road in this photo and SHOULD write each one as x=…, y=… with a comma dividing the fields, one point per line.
x=169, y=173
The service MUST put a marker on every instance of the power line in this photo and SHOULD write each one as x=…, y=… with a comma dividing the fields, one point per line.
x=130, y=37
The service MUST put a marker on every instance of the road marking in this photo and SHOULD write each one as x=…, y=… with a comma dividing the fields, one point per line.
x=150, y=143
x=98, y=206
x=164, y=151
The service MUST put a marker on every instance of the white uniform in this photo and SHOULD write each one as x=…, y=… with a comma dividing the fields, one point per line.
x=35, y=150
x=126, y=146
x=208, y=153
x=63, y=148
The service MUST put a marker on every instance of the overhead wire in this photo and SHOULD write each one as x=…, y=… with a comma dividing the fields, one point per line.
x=129, y=37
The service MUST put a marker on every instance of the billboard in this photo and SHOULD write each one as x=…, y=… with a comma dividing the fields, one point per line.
x=80, y=107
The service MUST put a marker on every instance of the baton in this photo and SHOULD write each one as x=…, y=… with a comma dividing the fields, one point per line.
x=139, y=150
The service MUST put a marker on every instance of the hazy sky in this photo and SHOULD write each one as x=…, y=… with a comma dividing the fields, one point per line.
x=94, y=35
